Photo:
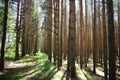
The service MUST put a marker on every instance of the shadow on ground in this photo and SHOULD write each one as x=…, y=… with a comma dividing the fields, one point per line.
x=41, y=70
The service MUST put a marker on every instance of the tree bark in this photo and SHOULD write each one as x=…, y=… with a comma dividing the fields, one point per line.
x=49, y=27
x=119, y=30
x=17, y=32
x=104, y=39
x=4, y=36
x=81, y=34
x=71, y=40
x=54, y=34
x=61, y=34
x=94, y=39
x=111, y=42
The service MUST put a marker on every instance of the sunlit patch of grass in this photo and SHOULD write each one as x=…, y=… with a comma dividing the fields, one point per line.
x=42, y=68
x=9, y=54
x=39, y=68
x=87, y=74
x=81, y=75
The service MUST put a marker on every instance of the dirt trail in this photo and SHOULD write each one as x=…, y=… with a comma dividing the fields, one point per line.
x=9, y=64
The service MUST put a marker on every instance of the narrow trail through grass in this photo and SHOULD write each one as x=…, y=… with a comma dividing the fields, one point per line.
x=39, y=68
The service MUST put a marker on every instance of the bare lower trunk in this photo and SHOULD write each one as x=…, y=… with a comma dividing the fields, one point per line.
x=111, y=42
x=4, y=36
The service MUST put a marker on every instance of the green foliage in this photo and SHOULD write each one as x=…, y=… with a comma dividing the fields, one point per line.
x=11, y=18
x=10, y=25
x=10, y=53
x=11, y=28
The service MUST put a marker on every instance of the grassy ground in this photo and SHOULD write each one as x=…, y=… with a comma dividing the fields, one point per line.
x=28, y=68
x=39, y=68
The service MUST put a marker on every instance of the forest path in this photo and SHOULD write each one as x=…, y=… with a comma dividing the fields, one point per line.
x=39, y=68
x=9, y=64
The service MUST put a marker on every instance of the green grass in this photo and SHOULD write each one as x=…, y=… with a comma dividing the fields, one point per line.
x=36, y=68
x=9, y=54
x=39, y=68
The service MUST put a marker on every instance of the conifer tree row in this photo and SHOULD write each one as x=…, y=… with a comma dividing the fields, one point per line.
x=91, y=35
x=80, y=33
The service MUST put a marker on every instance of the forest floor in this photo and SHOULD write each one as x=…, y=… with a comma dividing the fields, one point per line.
x=39, y=68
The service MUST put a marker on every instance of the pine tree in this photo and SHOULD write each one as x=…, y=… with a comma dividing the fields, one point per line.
x=104, y=39
x=49, y=29
x=94, y=39
x=81, y=34
x=71, y=41
x=111, y=42
x=119, y=30
x=4, y=36
x=17, y=32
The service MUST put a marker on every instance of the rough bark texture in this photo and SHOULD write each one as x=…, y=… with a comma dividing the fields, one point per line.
x=111, y=42
x=49, y=27
x=57, y=32
x=119, y=30
x=64, y=31
x=81, y=34
x=104, y=40
x=4, y=36
x=94, y=39
x=54, y=34
x=17, y=32
x=61, y=35
x=71, y=41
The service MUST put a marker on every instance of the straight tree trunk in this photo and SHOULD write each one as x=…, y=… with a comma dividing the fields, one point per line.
x=81, y=33
x=49, y=27
x=22, y=25
x=17, y=32
x=71, y=41
x=119, y=30
x=26, y=36
x=100, y=35
x=94, y=39
x=54, y=34
x=57, y=2
x=61, y=35
x=65, y=31
x=4, y=36
x=111, y=42
x=87, y=34
x=36, y=37
x=104, y=39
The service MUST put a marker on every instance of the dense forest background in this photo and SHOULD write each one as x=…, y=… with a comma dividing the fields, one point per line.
x=60, y=39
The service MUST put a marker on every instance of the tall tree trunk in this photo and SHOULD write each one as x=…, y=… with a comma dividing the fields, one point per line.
x=4, y=36
x=87, y=34
x=104, y=39
x=61, y=34
x=111, y=42
x=54, y=34
x=81, y=33
x=71, y=40
x=119, y=30
x=26, y=36
x=45, y=36
x=22, y=26
x=49, y=27
x=100, y=38
x=57, y=2
x=94, y=39
x=17, y=32
x=36, y=36
x=64, y=31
